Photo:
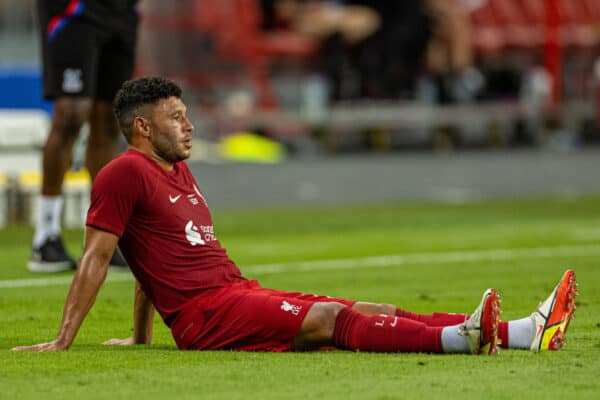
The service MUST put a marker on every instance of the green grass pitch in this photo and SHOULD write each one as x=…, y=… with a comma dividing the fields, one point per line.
x=422, y=257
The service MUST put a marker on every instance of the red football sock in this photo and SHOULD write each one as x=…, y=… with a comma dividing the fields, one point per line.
x=384, y=333
x=503, y=334
x=435, y=319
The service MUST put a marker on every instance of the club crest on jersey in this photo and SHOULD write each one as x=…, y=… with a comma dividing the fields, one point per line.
x=72, y=82
x=287, y=307
x=193, y=197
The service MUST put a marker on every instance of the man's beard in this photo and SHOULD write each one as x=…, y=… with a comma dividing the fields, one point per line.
x=169, y=154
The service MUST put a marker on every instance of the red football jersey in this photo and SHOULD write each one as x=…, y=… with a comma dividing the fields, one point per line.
x=165, y=229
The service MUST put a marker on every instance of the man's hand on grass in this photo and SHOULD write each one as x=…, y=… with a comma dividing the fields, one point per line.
x=120, y=342
x=51, y=346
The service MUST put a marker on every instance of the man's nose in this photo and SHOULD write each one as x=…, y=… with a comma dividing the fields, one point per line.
x=188, y=125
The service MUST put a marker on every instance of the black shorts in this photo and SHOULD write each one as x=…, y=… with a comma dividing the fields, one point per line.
x=88, y=50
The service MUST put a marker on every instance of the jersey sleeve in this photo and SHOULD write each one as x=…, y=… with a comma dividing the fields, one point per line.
x=115, y=192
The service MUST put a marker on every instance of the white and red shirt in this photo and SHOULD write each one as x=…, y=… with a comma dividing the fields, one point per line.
x=165, y=229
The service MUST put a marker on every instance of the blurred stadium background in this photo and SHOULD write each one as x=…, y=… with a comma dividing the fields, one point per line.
x=312, y=102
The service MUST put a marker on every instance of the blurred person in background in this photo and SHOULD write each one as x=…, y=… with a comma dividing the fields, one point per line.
x=369, y=48
x=450, y=52
x=391, y=59
x=341, y=28
x=88, y=51
x=320, y=18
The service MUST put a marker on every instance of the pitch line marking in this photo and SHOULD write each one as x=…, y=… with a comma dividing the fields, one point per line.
x=362, y=262
x=58, y=280
x=424, y=258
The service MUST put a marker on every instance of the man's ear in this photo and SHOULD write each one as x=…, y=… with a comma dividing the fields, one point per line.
x=141, y=125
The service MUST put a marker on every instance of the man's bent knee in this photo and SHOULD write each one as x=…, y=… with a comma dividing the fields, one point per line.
x=69, y=116
x=317, y=326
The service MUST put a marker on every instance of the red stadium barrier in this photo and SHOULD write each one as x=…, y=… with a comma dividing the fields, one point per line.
x=505, y=24
x=549, y=28
x=234, y=27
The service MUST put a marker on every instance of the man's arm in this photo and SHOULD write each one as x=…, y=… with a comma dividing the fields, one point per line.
x=143, y=318
x=99, y=247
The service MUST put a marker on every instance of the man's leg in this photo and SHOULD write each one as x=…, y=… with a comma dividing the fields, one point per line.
x=70, y=113
x=435, y=319
x=344, y=327
x=103, y=141
x=521, y=331
x=329, y=324
x=102, y=146
x=544, y=329
x=69, y=55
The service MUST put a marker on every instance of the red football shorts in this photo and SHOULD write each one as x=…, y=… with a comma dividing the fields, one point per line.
x=244, y=316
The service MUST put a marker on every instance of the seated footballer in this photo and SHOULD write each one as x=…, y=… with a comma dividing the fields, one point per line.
x=147, y=202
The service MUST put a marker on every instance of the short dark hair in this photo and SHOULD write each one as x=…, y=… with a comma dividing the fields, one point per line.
x=137, y=93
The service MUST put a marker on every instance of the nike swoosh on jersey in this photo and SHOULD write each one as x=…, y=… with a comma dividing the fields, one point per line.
x=174, y=199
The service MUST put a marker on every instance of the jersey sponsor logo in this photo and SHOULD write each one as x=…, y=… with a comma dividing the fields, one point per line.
x=72, y=82
x=199, y=234
x=173, y=200
x=287, y=307
x=192, y=234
